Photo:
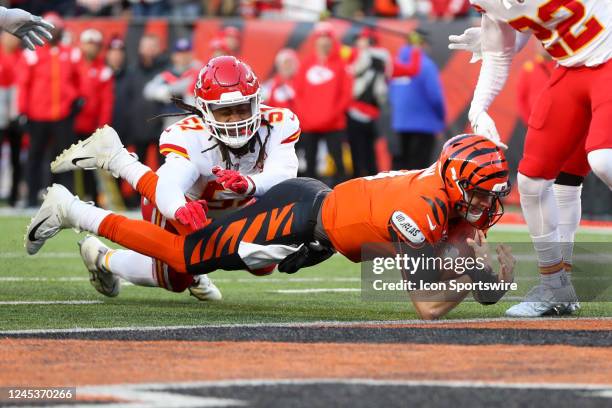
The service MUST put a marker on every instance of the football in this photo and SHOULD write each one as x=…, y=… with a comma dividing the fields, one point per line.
x=456, y=245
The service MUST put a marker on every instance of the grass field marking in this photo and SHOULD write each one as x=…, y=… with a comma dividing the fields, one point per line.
x=319, y=323
x=50, y=302
x=43, y=279
x=314, y=290
x=44, y=255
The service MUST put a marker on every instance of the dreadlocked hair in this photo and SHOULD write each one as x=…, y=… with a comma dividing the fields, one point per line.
x=187, y=110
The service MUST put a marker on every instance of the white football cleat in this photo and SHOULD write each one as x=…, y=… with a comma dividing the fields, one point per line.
x=93, y=252
x=545, y=300
x=50, y=219
x=102, y=150
x=204, y=289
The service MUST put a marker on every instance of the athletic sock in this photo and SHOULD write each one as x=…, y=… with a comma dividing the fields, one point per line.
x=86, y=217
x=570, y=210
x=131, y=266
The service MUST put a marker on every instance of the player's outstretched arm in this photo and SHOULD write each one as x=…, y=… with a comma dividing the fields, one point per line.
x=434, y=304
x=471, y=40
x=32, y=30
x=498, y=48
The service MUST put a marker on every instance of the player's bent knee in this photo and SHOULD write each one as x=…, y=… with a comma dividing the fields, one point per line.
x=529, y=186
x=601, y=164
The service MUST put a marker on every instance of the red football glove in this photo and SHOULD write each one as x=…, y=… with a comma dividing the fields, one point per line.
x=193, y=214
x=231, y=180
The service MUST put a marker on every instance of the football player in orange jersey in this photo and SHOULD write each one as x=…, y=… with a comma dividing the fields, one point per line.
x=301, y=222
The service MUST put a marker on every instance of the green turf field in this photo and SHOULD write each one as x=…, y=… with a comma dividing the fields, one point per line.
x=57, y=274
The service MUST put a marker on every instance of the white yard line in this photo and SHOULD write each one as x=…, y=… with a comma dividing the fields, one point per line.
x=320, y=323
x=315, y=290
x=50, y=302
x=45, y=255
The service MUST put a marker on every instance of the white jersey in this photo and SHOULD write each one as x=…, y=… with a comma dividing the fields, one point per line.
x=574, y=32
x=191, y=153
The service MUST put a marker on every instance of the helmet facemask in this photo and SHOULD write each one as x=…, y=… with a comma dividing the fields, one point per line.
x=479, y=216
x=232, y=134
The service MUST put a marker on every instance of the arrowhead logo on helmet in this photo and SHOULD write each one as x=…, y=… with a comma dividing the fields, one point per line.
x=224, y=82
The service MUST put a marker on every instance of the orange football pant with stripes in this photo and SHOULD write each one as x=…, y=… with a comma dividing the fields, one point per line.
x=285, y=215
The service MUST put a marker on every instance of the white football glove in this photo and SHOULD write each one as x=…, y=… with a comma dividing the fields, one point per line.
x=468, y=41
x=483, y=125
x=26, y=26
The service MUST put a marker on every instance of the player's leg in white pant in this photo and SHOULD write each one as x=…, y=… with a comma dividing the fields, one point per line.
x=541, y=214
x=139, y=270
x=601, y=164
x=132, y=267
x=568, y=190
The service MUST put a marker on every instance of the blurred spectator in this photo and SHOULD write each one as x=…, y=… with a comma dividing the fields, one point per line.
x=176, y=81
x=186, y=8
x=304, y=10
x=417, y=111
x=143, y=131
x=323, y=91
x=386, y=8
x=10, y=127
x=48, y=98
x=410, y=8
x=96, y=84
x=353, y=8
x=232, y=38
x=116, y=60
x=40, y=7
x=369, y=95
x=278, y=91
x=149, y=8
x=533, y=79
x=218, y=47
x=222, y=7
x=98, y=8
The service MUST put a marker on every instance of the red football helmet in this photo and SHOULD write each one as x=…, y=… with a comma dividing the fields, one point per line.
x=475, y=169
x=227, y=81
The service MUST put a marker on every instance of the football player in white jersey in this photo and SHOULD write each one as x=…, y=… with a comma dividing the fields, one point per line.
x=226, y=153
x=569, y=129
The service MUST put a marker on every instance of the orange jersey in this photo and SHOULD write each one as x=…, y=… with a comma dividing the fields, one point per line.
x=411, y=206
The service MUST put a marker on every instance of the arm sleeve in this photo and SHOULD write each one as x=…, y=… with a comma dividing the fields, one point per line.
x=176, y=176
x=498, y=42
x=282, y=162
